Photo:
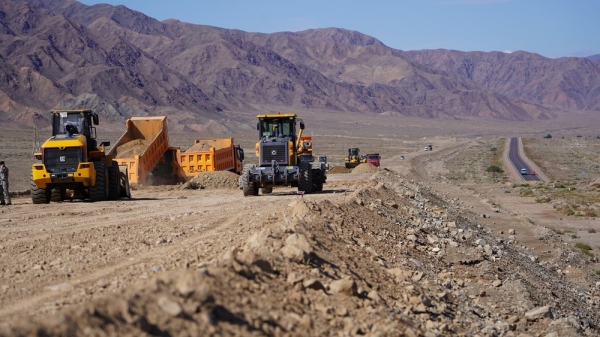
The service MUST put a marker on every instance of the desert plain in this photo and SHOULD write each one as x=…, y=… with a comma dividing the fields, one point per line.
x=429, y=245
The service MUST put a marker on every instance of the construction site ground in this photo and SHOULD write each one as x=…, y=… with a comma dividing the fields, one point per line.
x=390, y=251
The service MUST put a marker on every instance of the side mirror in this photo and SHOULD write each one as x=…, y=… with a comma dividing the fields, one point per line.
x=95, y=119
x=105, y=144
x=241, y=154
x=257, y=126
x=301, y=125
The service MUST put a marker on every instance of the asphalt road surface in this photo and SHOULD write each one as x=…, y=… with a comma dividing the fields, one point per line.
x=519, y=163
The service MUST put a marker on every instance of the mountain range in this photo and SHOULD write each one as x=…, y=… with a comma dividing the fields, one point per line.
x=60, y=54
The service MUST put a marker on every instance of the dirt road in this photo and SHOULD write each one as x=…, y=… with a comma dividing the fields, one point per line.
x=69, y=252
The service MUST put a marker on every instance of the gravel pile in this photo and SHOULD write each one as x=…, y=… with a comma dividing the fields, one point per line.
x=213, y=179
x=365, y=168
x=339, y=169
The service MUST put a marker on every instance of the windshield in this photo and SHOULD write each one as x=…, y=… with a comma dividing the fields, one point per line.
x=65, y=122
x=277, y=127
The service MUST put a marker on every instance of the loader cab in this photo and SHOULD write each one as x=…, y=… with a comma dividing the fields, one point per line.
x=66, y=123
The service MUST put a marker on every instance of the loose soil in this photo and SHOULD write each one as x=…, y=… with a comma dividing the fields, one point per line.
x=426, y=246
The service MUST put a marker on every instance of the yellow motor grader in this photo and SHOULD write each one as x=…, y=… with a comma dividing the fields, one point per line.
x=284, y=158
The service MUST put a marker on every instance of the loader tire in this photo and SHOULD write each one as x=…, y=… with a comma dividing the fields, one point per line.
x=58, y=194
x=318, y=186
x=305, y=182
x=39, y=195
x=114, y=188
x=266, y=190
x=99, y=192
x=248, y=187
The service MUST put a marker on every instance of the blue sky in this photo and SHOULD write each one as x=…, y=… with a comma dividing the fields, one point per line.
x=552, y=28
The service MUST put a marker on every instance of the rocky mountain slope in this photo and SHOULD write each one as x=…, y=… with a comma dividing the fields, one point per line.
x=60, y=54
x=568, y=83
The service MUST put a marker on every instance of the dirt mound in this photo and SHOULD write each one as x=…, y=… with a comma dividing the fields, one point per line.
x=366, y=168
x=132, y=148
x=213, y=179
x=339, y=169
x=201, y=146
x=389, y=259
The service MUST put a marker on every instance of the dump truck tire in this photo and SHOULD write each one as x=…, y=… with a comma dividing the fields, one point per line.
x=124, y=182
x=39, y=195
x=99, y=191
x=248, y=187
x=266, y=190
x=305, y=181
x=114, y=187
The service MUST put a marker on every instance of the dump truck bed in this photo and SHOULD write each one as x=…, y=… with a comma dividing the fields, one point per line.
x=207, y=155
x=141, y=147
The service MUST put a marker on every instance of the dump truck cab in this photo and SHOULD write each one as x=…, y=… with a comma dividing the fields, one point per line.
x=373, y=159
x=284, y=157
x=72, y=160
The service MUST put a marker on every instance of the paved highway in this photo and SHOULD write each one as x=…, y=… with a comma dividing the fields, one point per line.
x=518, y=162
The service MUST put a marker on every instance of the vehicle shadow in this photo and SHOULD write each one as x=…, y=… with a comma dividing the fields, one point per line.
x=332, y=191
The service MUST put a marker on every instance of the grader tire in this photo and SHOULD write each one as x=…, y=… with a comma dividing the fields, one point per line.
x=248, y=187
x=305, y=183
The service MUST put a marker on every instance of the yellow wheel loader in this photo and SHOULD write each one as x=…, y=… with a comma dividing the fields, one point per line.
x=72, y=161
x=353, y=159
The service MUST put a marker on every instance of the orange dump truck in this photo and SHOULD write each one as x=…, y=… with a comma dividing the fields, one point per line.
x=142, y=146
x=209, y=155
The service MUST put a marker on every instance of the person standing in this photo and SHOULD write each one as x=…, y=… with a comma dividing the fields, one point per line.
x=4, y=195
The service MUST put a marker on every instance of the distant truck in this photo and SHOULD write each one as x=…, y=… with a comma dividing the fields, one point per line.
x=144, y=149
x=373, y=158
x=219, y=154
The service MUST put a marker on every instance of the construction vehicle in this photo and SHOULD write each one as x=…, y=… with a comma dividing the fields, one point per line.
x=72, y=161
x=209, y=155
x=353, y=159
x=142, y=146
x=284, y=158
